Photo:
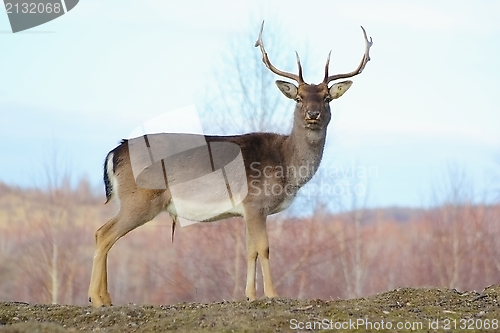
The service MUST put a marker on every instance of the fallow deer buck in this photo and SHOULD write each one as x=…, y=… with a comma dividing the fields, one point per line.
x=262, y=154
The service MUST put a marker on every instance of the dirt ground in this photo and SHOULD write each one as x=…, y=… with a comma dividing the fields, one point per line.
x=400, y=310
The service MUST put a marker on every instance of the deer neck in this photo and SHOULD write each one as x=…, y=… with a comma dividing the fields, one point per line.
x=303, y=150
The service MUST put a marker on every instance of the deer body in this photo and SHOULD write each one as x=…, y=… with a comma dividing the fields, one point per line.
x=276, y=167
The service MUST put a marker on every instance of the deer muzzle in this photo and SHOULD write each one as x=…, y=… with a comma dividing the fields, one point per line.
x=312, y=116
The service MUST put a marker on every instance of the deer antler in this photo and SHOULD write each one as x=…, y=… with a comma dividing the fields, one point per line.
x=364, y=61
x=267, y=62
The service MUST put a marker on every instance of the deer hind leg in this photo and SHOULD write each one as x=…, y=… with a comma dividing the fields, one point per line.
x=130, y=217
x=257, y=246
x=105, y=236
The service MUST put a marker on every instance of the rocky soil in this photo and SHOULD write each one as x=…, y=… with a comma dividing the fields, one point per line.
x=400, y=310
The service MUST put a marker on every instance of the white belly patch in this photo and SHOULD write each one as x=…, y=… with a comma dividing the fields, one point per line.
x=198, y=211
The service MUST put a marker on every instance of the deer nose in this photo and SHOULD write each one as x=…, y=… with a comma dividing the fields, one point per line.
x=313, y=115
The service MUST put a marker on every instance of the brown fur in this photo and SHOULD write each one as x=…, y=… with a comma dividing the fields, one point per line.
x=260, y=152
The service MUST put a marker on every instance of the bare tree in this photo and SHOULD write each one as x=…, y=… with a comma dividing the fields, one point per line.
x=241, y=96
x=52, y=261
x=496, y=180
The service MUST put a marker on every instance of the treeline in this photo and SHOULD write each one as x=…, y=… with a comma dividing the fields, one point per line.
x=47, y=244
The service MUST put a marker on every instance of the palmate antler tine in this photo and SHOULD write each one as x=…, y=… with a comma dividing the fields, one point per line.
x=364, y=61
x=267, y=62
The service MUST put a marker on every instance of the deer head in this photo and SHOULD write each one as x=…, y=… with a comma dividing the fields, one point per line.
x=313, y=100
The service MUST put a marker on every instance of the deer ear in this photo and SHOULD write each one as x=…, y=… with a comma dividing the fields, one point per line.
x=288, y=89
x=338, y=89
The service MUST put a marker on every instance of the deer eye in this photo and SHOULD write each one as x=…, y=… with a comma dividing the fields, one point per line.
x=298, y=99
x=328, y=99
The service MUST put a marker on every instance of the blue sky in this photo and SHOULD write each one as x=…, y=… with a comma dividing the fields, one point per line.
x=427, y=100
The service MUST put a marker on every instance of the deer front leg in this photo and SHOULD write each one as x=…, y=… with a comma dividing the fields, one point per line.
x=266, y=271
x=251, y=267
x=257, y=246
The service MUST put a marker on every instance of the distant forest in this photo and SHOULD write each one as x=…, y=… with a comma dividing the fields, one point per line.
x=47, y=244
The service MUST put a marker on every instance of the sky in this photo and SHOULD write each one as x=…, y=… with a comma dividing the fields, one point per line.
x=425, y=104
